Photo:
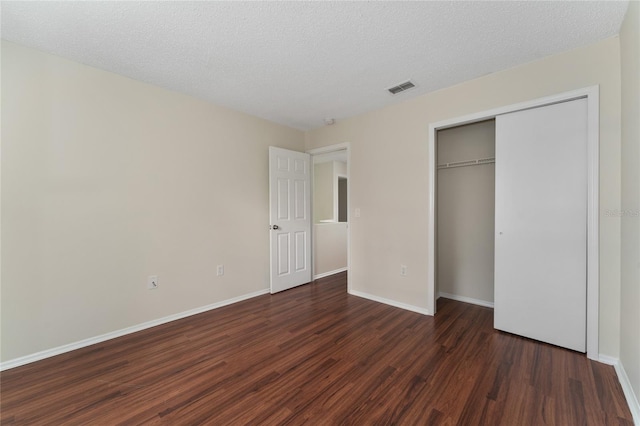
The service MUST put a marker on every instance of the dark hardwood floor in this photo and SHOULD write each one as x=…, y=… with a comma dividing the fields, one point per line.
x=316, y=355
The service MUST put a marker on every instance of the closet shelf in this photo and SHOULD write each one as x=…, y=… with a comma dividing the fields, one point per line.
x=476, y=162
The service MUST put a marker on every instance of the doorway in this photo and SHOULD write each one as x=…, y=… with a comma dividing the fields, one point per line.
x=330, y=210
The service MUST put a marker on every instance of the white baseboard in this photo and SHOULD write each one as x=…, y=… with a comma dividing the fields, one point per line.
x=118, y=333
x=629, y=394
x=606, y=359
x=326, y=274
x=400, y=305
x=466, y=299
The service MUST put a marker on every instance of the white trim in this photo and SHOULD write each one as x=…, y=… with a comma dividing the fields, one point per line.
x=466, y=299
x=329, y=148
x=593, y=210
x=27, y=359
x=431, y=240
x=629, y=394
x=326, y=274
x=323, y=150
x=606, y=359
x=627, y=389
x=593, y=220
x=390, y=302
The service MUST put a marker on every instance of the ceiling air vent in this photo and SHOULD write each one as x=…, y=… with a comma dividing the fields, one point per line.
x=401, y=87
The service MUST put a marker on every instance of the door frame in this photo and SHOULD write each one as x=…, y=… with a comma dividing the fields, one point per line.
x=592, y=95
x=325, y=150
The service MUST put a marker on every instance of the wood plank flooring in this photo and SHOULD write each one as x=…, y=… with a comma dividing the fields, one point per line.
x=315, y=355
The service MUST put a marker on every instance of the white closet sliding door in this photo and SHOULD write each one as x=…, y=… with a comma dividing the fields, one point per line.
x=541, y=224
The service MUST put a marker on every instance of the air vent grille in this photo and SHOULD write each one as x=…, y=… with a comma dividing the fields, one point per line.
x=401, y=87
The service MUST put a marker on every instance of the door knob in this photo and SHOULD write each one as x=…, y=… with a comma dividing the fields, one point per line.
x=275, y=227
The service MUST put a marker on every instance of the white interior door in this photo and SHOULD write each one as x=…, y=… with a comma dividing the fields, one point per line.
x=541, y=224
x=290, y=218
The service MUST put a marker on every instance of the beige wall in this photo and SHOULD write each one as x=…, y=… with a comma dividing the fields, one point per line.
x=466, y=212
x=323, y=191
x=630, y=308
x=106, y=180
x=392, y=229
x=329, y=247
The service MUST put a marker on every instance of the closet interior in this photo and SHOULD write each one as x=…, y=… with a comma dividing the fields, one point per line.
x=465, y=190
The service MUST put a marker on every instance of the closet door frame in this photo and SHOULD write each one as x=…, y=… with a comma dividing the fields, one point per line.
x=593, y=113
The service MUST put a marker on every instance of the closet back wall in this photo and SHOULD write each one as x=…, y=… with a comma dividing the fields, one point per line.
x=465, y=212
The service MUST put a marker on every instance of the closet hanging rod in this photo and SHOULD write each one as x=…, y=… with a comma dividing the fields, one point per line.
x=476, y=162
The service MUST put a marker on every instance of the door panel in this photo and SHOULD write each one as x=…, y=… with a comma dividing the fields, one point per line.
x=283, y=199
x=283, y=254
x=541, y=224
x=290, y=221
x=301, y=197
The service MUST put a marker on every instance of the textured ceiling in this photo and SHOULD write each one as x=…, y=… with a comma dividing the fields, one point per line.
x=297, y=63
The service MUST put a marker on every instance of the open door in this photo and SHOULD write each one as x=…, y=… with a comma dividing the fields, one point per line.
x=289, y=218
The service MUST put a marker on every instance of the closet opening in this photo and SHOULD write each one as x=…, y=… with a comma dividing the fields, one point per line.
x=546, y=229
x=465, y=213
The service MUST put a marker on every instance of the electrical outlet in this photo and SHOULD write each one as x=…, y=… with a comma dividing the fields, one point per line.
x=220, y=270
x=403, y=270
x=152, y=282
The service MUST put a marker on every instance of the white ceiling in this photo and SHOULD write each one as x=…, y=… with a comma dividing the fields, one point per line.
x=297, y=63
